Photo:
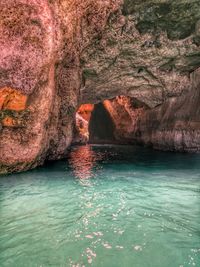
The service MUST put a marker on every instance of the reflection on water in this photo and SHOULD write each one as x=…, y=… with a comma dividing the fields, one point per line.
x=108, y=207
x=82, y=160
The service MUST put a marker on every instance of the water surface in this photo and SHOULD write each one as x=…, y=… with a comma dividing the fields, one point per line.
x=109, y=206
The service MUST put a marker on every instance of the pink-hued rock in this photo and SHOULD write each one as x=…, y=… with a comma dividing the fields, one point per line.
x=125, y=113
x=40, y=46
x=27, y=64
x=60, y=54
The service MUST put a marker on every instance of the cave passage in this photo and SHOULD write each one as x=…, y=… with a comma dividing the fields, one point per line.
x=110, y=121
x=94, y=125
x=101, y=127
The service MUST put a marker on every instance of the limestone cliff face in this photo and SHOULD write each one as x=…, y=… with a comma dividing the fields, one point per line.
x=58, y=54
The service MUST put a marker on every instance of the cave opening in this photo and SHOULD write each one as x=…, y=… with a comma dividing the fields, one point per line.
x=94, y=124
x=112, y=121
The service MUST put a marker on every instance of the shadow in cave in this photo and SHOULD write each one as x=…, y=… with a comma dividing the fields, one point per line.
x=94, y=125
x=101, y=127
x=113, y=121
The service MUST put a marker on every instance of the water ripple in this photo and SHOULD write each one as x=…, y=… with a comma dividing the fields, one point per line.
x=106, y=206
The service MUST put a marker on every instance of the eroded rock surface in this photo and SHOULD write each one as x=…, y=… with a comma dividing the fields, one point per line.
x=81, y=129
x=146, y=51
x=125, y=113
x=175, y=125
x=59, y=54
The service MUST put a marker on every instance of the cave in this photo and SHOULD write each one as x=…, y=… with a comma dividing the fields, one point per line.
x=112, y=121
x=103, y=96
x=94, y=124
x=101, y=126
x=88, y=52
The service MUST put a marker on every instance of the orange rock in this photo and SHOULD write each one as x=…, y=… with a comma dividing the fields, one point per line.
x=12, y=99
x=9, y=122
x=85, y=111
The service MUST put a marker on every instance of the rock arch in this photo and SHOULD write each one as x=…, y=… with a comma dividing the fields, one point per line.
x=61, y=54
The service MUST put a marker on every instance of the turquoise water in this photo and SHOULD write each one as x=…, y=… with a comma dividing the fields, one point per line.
x=106, y=206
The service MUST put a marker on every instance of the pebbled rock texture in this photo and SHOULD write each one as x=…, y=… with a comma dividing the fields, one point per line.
x=58, y=54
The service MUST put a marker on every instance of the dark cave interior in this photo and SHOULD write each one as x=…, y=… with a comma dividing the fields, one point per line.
x=108, y=122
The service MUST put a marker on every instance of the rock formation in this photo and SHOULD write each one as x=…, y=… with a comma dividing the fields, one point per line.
x=174, y=125
x=81, y=129
x=59, y=54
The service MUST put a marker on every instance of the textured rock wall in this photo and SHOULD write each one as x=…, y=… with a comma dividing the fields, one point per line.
x=58, y=54
x=146, y=52
x=175, y=125
x=150, y=51
x=81, y=131
x=40, y=44
x=125, y=113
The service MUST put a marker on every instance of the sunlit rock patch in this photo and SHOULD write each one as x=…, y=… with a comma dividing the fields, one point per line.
x=12, y=99
x=83, y=116
x=125, y=112
x=11, y=122
x=12, y=103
